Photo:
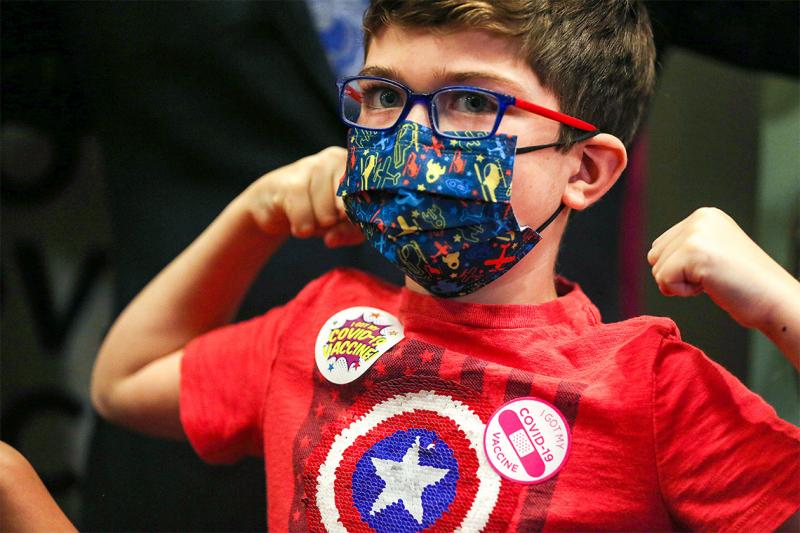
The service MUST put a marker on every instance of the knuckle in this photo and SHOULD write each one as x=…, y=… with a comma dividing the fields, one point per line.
x=701, y=212
x=655, y=272
x=296, y=185
x=294, y=204
x=709, y=213
x=325, y=215
x=695, y=245
x=331, y=150
x=333, y=156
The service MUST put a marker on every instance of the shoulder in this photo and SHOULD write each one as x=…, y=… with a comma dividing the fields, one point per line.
x=656, y=345
x=574, y=311
x=655, y=327
x=638, y=339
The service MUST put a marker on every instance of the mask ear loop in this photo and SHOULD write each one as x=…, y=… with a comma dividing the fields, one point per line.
x=524, y=150
x=547, y=222
x=584, y=136
x=538, y=231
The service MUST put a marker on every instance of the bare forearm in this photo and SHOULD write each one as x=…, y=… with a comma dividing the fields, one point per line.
x=782, y=326
x=198, y=291
x=25, y=503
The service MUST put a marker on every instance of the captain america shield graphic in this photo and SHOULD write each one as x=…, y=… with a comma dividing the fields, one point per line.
x=407, y=457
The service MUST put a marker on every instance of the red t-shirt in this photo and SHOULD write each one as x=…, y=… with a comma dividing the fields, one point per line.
x=661, y=437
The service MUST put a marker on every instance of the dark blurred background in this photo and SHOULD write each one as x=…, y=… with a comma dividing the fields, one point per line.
x=126, y=127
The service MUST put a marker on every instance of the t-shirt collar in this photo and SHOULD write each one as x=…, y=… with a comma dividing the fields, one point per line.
x=571, y=307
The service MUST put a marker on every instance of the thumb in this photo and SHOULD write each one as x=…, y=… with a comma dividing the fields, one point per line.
x=343, y=234
x=680, y=288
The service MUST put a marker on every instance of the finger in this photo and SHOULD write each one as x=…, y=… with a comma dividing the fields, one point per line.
x=268, y=212
x=680, y=289
x=672, y=277
x=658, y=245
x=322, y=195
x=676, y=240
x=665, y=251
x=675, y=272
x=343, y=234
x=298, y=209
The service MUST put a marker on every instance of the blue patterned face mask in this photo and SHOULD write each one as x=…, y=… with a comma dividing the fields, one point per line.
x=440, y=209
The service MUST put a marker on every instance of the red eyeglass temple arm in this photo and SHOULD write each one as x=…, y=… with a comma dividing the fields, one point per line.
x=555, y=115
x=352, y=93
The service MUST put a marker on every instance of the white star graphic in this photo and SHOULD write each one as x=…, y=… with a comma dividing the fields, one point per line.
x=405, y=481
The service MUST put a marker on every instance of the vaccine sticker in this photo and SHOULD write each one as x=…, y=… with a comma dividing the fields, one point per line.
x=527, y=440
x=352, y=340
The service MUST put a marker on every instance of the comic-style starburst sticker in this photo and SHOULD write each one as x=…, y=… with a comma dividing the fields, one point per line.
x=352, y=340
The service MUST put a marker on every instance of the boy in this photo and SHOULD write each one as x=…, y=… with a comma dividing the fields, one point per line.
x=501, y=403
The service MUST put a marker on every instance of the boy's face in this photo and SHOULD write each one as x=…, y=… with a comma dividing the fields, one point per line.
x=425, y=61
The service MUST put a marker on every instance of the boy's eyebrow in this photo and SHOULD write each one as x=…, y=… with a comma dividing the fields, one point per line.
x=382, y=72
x=449, y=77
x=476, y=76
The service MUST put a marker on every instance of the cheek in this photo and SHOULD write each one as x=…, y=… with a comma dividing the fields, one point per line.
x=534, y=193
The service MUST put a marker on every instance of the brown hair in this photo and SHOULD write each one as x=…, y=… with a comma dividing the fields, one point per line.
x=596, y=56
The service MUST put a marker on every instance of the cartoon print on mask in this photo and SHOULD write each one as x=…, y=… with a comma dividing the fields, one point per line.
x=457, y=165
x=490, y=179
x=406, y=227
x=451, y=259
x=407, y=139
x=452, y=195
x=412, y=258
x=434, y=216
x=367, y=165
x=386, y=174
x=434, y=171
x=412, y=167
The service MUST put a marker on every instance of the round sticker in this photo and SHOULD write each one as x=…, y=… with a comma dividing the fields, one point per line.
x=527, y=440
x=352, y=340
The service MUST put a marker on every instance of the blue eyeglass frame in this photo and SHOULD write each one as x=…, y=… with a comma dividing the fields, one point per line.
x=504, y=101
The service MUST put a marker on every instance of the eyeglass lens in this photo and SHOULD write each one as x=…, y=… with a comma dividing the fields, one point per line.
x=376, y=104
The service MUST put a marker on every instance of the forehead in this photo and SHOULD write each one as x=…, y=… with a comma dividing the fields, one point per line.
x=425, y=60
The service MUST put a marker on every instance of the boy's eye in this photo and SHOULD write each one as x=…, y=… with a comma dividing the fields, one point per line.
x=473, y=102
x=389, y=98
x=381, y=96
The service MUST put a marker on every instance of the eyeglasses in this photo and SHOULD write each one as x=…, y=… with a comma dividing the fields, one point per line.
x=456, y=112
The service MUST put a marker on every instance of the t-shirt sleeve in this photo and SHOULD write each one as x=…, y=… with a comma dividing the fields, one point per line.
x=224, y=376
x=725, y=460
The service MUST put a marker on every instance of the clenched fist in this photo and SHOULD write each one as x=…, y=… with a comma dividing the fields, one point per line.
x=708, y=252
x=300, y=199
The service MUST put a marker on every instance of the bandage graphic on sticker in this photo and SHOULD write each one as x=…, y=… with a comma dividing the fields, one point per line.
x=521, y=442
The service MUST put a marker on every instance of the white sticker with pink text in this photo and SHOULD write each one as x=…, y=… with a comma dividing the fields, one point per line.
x=527, y=440
x=352, y=340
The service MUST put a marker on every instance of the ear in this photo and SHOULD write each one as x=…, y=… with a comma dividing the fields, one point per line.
x=603, y=158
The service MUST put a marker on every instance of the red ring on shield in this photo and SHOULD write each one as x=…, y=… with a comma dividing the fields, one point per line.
x=446, y=430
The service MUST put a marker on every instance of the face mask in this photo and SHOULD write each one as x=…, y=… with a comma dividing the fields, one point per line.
x=438, y=208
